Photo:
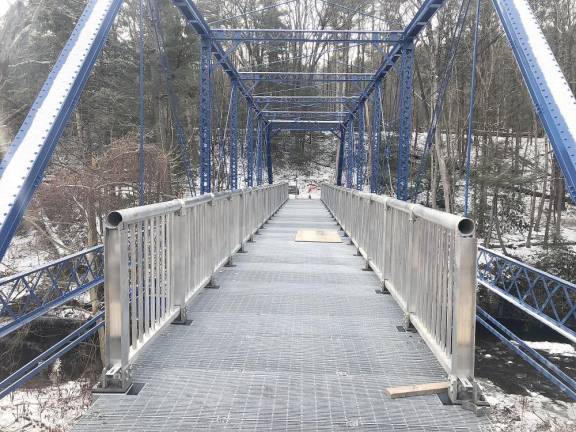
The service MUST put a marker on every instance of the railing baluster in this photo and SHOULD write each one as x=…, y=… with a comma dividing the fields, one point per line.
x=161, y=255
x=427, y=259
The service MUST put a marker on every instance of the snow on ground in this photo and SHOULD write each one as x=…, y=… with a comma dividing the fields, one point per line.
x=517, y=413
x=23, y=254
x=553, y=348
x=54, y=408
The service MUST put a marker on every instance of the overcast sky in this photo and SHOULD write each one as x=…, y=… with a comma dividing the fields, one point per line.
x=4, y=5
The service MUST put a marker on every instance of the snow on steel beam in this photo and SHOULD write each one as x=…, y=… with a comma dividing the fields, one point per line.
x=412, y=30
x=194, y=17
x=315, y=36
x=291, y=77
x=23, y=166
x=549, y=90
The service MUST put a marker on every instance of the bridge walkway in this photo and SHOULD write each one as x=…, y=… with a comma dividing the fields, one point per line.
x=295, y=338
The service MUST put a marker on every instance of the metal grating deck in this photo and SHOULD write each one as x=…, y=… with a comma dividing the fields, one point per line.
x=295, y=339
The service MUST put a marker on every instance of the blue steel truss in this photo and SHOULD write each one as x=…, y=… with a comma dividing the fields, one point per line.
x=234, y=137
x=259, y=145
x=268, y=135
x=547, y=85
x=545, y=297
x=349, y=156
x=356, y=37
x=298, y=77
x=29, y=295
x=405, y=114
x=250, y=148
x=23, y=166
x=205, y=115
x=375, y=140
x=360, y=150
x=341, y=149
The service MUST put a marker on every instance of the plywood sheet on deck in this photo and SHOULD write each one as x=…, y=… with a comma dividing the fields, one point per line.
x=320, y=236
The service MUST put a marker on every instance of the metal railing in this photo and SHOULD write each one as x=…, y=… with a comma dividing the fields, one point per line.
x=156, y=257
x=427, y=261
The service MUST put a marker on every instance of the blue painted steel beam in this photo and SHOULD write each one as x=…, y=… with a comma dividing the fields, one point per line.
x=234, y=137
x=357, y=37
x=405, y=132
x=305, y=125
x=341, y=149
x=305, y=99
x=259, y=145
x=250, y=148
x=296, y=77
x=269, y=154
x=205, y=115
x=350, y=153
x=24, y=164
x=375, y=139
x=271, y=114
x=547, y=85
x=360, y=149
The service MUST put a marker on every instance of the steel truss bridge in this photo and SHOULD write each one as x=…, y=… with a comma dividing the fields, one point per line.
x=288, y=335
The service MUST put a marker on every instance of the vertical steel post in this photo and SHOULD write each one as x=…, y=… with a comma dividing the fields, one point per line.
x=250, y=148
x=234, y=137
x=259, y=166
x=375, y=140
x=269, y=154
x=205, y=115
x=465, y=273
x=341, y=156
x=116, y=376
x=405, y=132
x=360, y=150
x=350, y=153
x=180, y=262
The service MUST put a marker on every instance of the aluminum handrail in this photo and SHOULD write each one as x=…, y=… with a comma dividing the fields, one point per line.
x=427, y=260
x=157, y=257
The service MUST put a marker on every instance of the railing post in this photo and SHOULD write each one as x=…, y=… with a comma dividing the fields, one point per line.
x=463, y=341
x=116, y=375
x=241, y=211
x=180, y=262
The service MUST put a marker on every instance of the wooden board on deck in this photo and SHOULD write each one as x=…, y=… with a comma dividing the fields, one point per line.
x=416, y=390
x=320, y=236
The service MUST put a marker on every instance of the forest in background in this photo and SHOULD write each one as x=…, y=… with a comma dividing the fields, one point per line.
x=517, y=187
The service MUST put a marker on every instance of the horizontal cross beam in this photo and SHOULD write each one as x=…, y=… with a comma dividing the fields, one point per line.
x=305, y=99
x=304, y=125
x=292, y=77
x=314, y=36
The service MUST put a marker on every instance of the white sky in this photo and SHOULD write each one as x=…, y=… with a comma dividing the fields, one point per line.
x=4, y=5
